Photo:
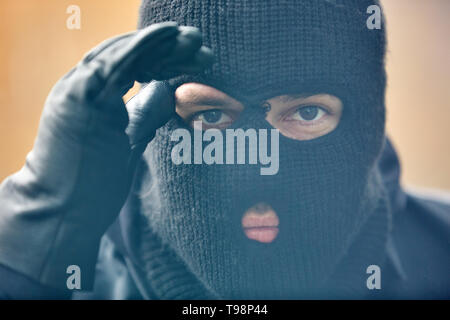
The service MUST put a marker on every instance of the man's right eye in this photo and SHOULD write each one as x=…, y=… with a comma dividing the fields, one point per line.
x=216, y=119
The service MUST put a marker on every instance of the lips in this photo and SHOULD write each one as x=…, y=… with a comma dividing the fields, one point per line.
x=260, y=223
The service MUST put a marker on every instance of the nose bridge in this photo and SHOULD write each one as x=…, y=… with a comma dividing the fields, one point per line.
x=252, y=117
x=253, y=190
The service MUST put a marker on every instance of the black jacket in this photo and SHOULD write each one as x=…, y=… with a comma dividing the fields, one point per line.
x=417, y=267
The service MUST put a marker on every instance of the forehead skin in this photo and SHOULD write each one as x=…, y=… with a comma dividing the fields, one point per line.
x=191, y=95
x=194, y=95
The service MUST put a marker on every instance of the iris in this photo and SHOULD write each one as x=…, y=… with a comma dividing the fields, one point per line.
x=308, y=113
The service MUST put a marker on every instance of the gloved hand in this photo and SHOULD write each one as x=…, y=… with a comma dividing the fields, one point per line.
x=54, y=211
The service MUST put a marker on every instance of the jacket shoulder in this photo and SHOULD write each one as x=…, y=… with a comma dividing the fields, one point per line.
x=421, y=236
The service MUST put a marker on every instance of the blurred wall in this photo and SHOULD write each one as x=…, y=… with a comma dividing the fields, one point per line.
x=418, y=93
x=37, y=49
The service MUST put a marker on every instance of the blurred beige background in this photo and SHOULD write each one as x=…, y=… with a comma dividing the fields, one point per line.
x=37, y=49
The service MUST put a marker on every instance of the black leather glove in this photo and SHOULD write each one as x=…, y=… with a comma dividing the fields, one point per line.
x=54, y=211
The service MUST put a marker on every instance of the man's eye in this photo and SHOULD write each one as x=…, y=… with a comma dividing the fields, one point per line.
x=308, y=113
x=213, y=119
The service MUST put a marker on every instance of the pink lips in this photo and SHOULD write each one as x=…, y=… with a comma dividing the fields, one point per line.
x=260, y=223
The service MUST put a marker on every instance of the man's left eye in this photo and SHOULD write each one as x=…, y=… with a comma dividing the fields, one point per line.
x=213, y=119
x=308, y=113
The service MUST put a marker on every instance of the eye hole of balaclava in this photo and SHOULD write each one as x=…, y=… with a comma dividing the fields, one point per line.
x=298, y=116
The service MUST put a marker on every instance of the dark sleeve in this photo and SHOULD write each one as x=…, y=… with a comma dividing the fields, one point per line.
x=15, y=285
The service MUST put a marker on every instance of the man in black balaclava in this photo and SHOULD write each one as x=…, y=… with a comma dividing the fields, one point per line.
x=189, y=231
x=321, y=210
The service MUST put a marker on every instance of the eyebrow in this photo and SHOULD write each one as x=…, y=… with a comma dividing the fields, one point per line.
x=202, y=100
x=218, y=102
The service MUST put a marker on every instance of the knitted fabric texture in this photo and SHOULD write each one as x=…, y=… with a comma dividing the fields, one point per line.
x=331, y=205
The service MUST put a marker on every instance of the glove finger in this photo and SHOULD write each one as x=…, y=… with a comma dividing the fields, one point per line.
x=189, y=41
x=148, y=110
x=110, y=67
x=202, y=59
x=154, y=43
x=128, y=45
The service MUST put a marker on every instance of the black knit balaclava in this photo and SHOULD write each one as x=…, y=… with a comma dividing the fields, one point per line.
x=327, y=193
